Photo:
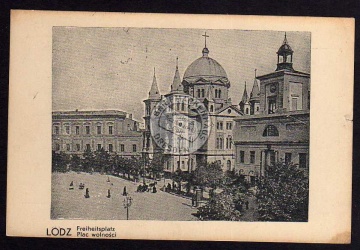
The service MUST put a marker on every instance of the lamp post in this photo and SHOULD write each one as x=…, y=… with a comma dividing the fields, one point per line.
x=127, y=204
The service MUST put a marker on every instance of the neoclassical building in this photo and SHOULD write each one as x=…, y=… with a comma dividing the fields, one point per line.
x=206, y=81
x=115, y=131
x=275, y=125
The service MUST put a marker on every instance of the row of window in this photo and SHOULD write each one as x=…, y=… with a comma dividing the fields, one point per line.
x=87, y=130
x=288, y=158
x=201, y=93
x=98, y=147
x=219, y=125
x=220, y=143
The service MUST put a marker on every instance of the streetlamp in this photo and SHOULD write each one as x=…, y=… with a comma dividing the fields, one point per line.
x=127, y=204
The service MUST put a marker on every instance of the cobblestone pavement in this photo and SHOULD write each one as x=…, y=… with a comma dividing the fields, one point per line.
x=71, y=204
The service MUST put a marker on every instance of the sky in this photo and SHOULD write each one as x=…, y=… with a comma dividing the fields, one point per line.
x=112, y=68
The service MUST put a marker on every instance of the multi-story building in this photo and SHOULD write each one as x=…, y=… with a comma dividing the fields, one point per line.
x=206, y=81
x=277, y=124
x=73, y=132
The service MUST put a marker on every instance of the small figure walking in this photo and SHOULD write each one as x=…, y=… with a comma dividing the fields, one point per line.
x=109, y=195
x=71, y=186
x=108, y=180
x=154, y=189
x=124, y=192
x=87, y=193
x=247, y=205
x=81, y=186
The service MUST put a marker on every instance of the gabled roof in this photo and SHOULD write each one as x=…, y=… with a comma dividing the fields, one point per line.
x=233, y=107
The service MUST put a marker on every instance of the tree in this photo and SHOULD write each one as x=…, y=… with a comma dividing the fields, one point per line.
x=60, y=162
x=209, y=174
x=284, y=194
x=102, y=161
x=156, y=166
x=219, y=207
x=75, y=163
x=88, y=161
x=136, y=165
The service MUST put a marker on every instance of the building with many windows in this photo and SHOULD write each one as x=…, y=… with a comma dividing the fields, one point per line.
x=204, y=80
x=73, y=132
x=275, y=125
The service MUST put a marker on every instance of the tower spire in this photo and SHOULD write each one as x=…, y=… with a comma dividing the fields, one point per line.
x=245, y=96
x=177, y=86
x=154, y=90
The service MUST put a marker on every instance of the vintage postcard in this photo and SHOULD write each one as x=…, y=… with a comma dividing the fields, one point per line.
x=180, y=127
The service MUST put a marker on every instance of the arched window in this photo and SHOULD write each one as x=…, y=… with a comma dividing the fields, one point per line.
x=228, y=164
x=271, y=130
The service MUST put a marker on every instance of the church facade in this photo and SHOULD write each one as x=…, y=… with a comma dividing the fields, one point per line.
x=275, y=125
x=206, y=81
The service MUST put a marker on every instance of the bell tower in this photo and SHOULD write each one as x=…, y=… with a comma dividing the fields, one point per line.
x=150, y=103
x=285, y=56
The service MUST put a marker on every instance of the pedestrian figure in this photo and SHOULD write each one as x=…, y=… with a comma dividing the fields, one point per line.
x=108, y=180
x=108, y=196
x=247, y=205
x=87, y=193
x=154, y=189
x=124, y=192
x=168, y=187
x=71, y=185
x=81, y=186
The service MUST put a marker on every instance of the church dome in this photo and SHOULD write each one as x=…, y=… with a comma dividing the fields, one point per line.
x=206, y=68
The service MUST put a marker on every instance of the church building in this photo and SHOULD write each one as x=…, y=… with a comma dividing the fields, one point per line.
x=206, y=81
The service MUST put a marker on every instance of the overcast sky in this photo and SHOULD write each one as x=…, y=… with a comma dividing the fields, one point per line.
x=112, y=68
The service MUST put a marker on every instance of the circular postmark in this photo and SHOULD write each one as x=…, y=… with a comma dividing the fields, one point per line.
x=179, y=124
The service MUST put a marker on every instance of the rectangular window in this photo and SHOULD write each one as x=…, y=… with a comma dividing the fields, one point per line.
x=110, y=130
x=67, y=130
x=221, y=126
x=134, y=147
x=68, y=147
x=203, y=93
x=252, y=156
x=122, y=147
x=88, y=147
x=287, y=158
x=198, y=92
x=110, y=147
x=77, y=130
x=302, y=160
x=229, y=125
x=242, y=156
x=294, y=104
x=99, y=130
x=182, y=165
x=87, y=128
x=77, y=147
x=56, y=130
x=272, y=105
x=272, y=158
x=99, y=147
